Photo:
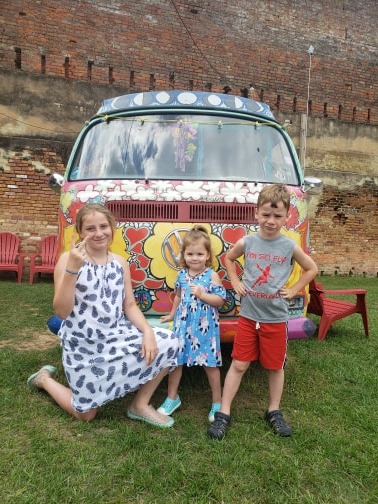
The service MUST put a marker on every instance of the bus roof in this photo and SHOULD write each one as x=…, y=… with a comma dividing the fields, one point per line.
x=184, y=99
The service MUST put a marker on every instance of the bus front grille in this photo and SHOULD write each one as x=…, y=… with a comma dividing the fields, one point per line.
x=182, y=211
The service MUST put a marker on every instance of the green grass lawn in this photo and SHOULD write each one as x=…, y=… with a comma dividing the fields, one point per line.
x=330, y=399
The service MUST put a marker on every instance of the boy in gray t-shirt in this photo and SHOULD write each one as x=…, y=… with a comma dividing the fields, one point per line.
x=262, y=326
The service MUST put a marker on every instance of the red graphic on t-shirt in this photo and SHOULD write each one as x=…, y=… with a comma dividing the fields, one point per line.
x=264, y=277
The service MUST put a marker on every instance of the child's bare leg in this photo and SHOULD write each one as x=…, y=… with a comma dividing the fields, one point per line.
x=222, y=418
x=276, y=378
x=141, y=403
x=174, y=379
x=213, y=375
x=232, y=383
x=61, y=394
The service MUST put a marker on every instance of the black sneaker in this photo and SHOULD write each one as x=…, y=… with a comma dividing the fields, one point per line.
x=218, y=428
x=276, y=421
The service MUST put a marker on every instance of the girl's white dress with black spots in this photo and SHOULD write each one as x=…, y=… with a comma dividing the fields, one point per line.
x=101, y=348
x=196, y=324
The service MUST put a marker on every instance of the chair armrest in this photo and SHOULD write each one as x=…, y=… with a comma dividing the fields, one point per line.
x=21, y=257
x=342, y=292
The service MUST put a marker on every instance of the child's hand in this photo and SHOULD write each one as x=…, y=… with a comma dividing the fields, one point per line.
x=238, y=287
x=196, y=290
x=287, y=293
x=166, y=318
x=149, y=346
x=78, y=254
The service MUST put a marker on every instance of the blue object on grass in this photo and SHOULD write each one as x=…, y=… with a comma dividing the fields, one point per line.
x=54, y=324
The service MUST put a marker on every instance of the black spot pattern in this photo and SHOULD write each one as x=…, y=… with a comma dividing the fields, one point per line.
x=109, y=389
x=97, y=371
x=104, y=320
x=80, y=381
x=91, y=388
x=106, y=307
x=91, y=298
x=86, y=351
x=145, y=373
x=111, y=371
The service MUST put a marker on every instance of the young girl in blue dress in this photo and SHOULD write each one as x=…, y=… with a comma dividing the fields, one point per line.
x=198, y=295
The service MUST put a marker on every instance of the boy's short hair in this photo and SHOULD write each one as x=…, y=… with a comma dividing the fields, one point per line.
x=273, y=194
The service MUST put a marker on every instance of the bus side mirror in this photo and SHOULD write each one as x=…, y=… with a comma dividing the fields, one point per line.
x=56, y=182
x=312, y=185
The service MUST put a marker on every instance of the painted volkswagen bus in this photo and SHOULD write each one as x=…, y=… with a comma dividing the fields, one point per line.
x=162, y=161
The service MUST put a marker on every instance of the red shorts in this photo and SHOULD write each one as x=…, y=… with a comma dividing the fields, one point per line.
x=266, y=342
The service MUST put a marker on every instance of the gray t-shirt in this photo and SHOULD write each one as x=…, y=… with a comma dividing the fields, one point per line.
x=267, y=267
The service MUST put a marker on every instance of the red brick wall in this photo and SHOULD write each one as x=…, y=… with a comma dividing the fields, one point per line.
x=344, y=231
x=28, y=207
x=184, y=43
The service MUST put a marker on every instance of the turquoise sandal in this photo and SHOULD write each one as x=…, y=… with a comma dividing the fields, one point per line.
x=141, y=418
x=30, y=381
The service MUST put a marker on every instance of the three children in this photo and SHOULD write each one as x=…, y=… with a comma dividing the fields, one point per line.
x=262, y=326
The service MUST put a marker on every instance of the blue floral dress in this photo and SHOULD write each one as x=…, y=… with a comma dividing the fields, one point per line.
x=101, y=348
x=196, y=324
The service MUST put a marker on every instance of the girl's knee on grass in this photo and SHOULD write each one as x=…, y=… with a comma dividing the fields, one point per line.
x=87, y=416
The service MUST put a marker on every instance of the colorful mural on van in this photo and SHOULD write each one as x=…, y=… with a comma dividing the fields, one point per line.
x=163, y=161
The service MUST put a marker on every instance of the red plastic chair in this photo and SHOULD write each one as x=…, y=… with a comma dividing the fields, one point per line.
x=45, y=260
x=10, y=258
x=331, y=309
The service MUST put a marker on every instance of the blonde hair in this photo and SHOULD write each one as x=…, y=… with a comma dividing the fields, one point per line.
x=91, y=208
x=273, y=194
x=197, y=233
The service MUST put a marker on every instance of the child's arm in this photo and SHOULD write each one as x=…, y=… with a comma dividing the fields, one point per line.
x=230, y=258
x=65, y=277
x=171, y=314
x=310, y=270
x=205, y=297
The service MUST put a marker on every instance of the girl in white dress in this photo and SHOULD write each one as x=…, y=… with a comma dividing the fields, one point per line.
x=109, y=349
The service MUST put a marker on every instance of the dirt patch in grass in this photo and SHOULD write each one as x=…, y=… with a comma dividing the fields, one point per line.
x=27, y=341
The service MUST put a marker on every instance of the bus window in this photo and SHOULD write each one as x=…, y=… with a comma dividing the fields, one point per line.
x=188, y=147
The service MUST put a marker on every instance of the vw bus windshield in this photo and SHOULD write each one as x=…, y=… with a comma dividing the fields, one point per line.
x=184, y=147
